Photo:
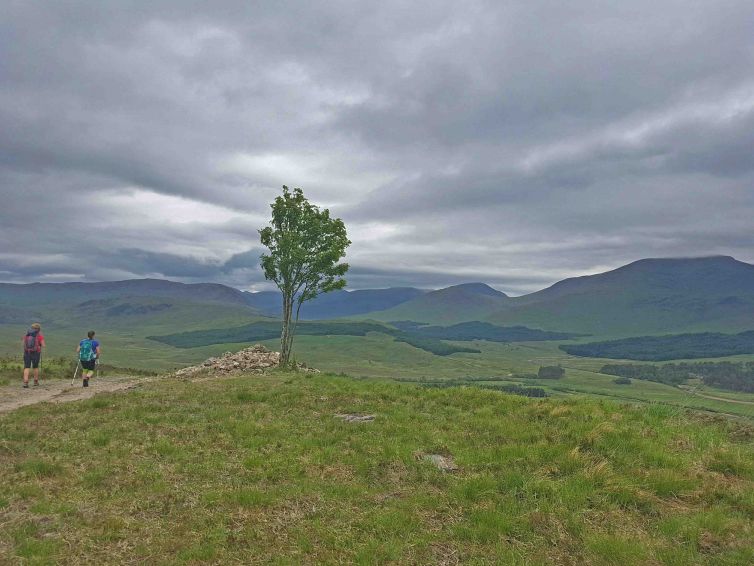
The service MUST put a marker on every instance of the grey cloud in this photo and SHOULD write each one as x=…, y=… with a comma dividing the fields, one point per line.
x=515, y=143
x=243, y=260
x=169, y=265
x=512, y=283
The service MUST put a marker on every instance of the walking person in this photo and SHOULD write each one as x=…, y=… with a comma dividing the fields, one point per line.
x=88, y=351
x=33, y=343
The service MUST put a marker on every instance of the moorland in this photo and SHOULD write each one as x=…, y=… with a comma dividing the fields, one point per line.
x=697, y=310
x=558, y=454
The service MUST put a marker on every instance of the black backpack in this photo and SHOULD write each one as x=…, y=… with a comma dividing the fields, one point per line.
x=30, y=342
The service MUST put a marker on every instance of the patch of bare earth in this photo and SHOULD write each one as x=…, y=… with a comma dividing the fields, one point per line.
x=14, y=397
x=255, y=359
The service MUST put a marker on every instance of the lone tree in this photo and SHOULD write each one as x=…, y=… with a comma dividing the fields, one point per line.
x=306, y=246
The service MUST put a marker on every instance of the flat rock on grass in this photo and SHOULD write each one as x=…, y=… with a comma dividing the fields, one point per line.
x=355, y=418
x=442, y=463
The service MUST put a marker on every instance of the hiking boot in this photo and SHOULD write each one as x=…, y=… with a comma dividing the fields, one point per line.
x=26, y=386
x=36, y=382
x=86, y=383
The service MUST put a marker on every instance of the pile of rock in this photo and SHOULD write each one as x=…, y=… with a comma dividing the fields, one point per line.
x=255, y=359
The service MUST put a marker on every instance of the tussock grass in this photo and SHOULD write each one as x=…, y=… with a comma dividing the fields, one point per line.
x=258, y=469
x=11, y=369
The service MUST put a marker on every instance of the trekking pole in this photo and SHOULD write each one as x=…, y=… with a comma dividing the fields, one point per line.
x=75, y=373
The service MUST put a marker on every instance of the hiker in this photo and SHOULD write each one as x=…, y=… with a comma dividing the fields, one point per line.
x=33, y=343
x=88, y=351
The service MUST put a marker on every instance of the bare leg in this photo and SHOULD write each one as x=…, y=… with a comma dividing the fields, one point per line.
x=26, y=376
x=36, y=376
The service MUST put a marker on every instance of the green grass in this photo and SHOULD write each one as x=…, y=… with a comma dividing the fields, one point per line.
x=258, y=469
x=11, y=369
x=378, y=356
x=124, y=342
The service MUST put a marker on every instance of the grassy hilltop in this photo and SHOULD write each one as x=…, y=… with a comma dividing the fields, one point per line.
x=258, y=468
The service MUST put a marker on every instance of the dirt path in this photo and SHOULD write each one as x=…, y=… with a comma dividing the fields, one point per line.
x=14, y=396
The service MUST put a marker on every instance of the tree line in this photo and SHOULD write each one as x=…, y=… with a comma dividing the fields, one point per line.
x=734, y=376
x=670, y=347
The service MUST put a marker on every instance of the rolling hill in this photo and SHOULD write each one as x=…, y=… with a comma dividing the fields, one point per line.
x=58, y=294
x=649, y=296
x=337, y=304
x=459, y=303
x=122, y=312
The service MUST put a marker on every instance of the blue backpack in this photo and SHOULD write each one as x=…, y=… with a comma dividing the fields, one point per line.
x=87, y=353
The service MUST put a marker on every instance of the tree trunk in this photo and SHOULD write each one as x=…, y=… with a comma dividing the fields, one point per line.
x=292, y=325
x=285, y=332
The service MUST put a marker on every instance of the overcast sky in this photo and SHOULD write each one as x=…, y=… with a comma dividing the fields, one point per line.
x=515, y=143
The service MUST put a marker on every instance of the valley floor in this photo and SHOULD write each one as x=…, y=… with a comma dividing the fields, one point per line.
x=262, y=469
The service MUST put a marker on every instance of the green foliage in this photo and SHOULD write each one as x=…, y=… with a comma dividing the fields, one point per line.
x=670, y=347
x=622, y=381
x=52, y=368
x=725, y=375
x=305, y=248
x=518, y=390
x=550, y=372
x=433, y=345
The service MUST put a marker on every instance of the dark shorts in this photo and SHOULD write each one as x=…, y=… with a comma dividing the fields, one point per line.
x=31, y=359
x=88, y=365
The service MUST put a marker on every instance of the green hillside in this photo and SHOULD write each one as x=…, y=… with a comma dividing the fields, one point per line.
x=259, y=468
x=58, y=294
x=123, y=313
x=123, y=326
x=650, y=296
x=646, y=297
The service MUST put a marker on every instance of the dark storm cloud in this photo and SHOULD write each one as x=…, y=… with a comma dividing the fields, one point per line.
x=244, y=260
x=515, y=143
x=170, y=265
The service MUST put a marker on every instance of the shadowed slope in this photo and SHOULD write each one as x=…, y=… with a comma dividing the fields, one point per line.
x=459, y=303
x=644, y=297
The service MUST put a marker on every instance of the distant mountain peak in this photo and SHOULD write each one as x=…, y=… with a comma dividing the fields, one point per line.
x=675, y=261
x=478, y=288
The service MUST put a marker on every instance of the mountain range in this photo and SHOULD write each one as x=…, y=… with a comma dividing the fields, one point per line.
x=649, y=296
x=337, y=304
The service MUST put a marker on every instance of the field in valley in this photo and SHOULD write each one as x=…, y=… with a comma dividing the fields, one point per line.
x=378, y=355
